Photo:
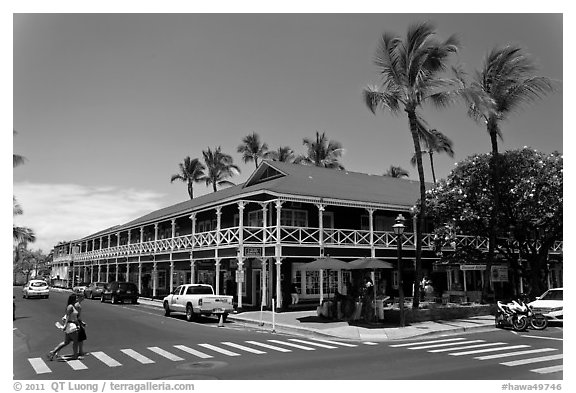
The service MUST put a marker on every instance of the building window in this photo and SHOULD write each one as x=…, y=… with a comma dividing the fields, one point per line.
x=256, y=218
x=294, y=218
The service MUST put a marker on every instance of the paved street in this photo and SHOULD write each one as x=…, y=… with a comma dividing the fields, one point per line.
x=138, y=342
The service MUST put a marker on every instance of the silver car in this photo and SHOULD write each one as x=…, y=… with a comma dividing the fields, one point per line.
x=35, y=288
x=551, y=304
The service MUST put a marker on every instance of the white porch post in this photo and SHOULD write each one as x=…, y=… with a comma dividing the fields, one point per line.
x=218, y=225
x=99, y=271
x=217, y=289
x=171, y=275
x=264, y=263
x=278, y=283
x=139, y=277
x=321, y=207
x=172, y=242
x=279, y=299
x=264, y=275
x=107, y=271
x=371, y=228
x=321, y=286
x=192, y=271
x=155, y=236
x=239, y=284
x=154, y=277
x=240, y=253
x=116, y=270
x=127, y=271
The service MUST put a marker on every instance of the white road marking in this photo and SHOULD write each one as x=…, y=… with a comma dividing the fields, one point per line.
x=548, y=370
x=165, y=354
x=533, y=360
x=466, y=347
x=426, y=342
x=193, y=352
x=334, y=342
x=369, y=343
x=76, y=365
x=274, y=348
x=292, y=345
x=508, y=354
x=135, y=355
x=312, y=343
x=545, y=338
x=489, y=350
x=447, y=344
x=107, y=360
x=39, y=366
x=222, y=351
x=243, y=348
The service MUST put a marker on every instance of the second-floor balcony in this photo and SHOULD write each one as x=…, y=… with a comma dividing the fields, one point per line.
x=285, y=235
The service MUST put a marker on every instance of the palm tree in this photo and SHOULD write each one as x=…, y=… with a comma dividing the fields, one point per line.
x=505, y=84
x=321, y=152
x=220, y=166
x=191, y=171
x=252, y=149
x=435, y=142
x=282, y=154
x=21, y=235
x=410, y=72
x=17, y=159
x=396, y=171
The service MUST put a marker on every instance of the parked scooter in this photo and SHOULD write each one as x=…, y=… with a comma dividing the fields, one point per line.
x=519, y=316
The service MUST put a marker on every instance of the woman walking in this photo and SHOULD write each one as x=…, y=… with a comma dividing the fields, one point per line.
x=81, y=326
x=70, y=328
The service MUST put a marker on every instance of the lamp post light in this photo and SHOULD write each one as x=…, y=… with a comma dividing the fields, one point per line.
x=399, y=230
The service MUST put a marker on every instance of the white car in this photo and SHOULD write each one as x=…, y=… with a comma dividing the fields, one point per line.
x=550, y=304
x=35, y=288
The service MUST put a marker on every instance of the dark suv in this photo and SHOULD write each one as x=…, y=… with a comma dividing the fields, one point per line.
x=116, y=292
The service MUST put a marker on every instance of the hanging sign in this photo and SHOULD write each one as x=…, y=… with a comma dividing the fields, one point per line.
x=472, y=267
x=239, y=276
x=499, y=274
x=252, y=252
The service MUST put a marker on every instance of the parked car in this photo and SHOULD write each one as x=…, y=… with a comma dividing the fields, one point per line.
x=79, y=289
x=35, y=288
x=116, y=292
x=94, y=290
x=550, y=304
x=195, y=300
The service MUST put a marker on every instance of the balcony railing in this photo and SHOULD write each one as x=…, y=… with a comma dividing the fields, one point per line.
x=288, y=236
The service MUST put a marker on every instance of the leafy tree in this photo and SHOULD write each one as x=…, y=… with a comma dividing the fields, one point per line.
x=219, y=167
x=282, y=154
x=396, y=171
x=505, y=84
x=435, y=142
x=191, y=171
x=411, y=76
x=321, y=152
x=252, y=149
x=530, y=210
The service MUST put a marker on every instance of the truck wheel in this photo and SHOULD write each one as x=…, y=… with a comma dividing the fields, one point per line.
x=190, y=313
x=113, y=299
x=102, y=299
x=166, y=309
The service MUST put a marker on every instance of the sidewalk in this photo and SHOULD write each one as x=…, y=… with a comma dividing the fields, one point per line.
x=307, y=322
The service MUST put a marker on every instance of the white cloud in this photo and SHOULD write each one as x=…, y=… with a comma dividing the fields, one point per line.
x=59, y=212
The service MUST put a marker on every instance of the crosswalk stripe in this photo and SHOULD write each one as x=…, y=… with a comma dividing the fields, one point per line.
x=138, y=357
x=548, y=370
x=165, y=354
x=508, y=354
x=193, y=352
x=334, y=342
x=76, y=365
x=107, y=360
x=427, y=342
x=272, y=347
x=243, y=348
x=293, y=345
x=369, y=343
x=39, y=365
x=466, y=347
x=222, y=351
x=312, y=343
x=532, y=360
x=489, y=350
x=447, y=344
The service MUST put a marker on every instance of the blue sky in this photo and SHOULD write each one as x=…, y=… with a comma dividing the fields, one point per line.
x=106, y=106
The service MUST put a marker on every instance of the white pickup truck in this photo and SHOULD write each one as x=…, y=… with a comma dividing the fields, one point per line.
x=195, y=300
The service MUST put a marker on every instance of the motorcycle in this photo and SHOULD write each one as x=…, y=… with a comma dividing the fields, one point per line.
x=519, y=315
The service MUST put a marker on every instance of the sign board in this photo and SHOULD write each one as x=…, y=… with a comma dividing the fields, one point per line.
x=499, y=274
x=239, y=275
x=472, y=267
x=252, y=252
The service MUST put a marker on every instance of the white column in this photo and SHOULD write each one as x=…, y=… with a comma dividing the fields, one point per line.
x=278, y=283
x=155, y=235
x=193, y=219
x=107, y=271
x=371, y=226
x=154, y=276
x=217, y=289
x=141, y=235
x=116, y=270
x=192, y=271
x=99, y=271
x=139, y=277
x=239, y=284
x=171, y=276
x=321, y=285
x=173, y=236
x=218, y=224
x=127, y=271
x=321, y=227
x=263, y=277
x=279, y=299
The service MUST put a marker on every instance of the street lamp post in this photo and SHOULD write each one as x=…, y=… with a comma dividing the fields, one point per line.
x=399, y=230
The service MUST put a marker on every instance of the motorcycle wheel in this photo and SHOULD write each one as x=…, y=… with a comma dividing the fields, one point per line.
x=497, y=321
x=520, y=324
x=539, y=322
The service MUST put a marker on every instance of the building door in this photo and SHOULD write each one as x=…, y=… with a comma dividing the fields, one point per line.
x=256, y=286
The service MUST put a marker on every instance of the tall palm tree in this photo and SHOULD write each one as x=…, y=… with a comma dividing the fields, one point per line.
x=17, y=159
x=435, y=142
x=252, y=149
x=411, y=76
x=283, y=154
x=505, y=84
x=396, y=171
x=321, y=152
x=21, y=235
x=219, y=167
x=191, y=171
